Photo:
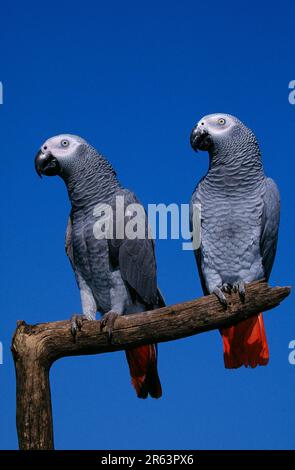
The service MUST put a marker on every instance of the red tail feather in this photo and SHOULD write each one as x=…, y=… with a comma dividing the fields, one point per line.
x=245, y=344
x=143, y=369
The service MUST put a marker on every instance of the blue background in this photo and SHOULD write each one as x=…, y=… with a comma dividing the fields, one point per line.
x=133, y=78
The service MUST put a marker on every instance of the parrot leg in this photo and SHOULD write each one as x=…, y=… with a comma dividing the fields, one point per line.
x=239, y=287
x=220, y=295
x=76, y=324
x=108, y=321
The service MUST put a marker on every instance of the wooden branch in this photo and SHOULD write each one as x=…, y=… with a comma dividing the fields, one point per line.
x=36, y=347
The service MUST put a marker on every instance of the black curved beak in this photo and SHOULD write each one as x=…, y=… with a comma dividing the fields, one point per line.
x=199, y=139
x=46, y=164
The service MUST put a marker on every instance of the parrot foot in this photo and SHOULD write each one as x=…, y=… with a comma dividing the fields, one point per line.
x=239, y=286
x=76, y=324
x=108, y=321
x=220, y=295
x=226, y=288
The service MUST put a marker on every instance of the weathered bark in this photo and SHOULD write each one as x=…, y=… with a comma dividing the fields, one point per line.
x=33, y=400
x=36, y=347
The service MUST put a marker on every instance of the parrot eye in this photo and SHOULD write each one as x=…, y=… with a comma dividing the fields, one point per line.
x=65, y=143
x=221, y=121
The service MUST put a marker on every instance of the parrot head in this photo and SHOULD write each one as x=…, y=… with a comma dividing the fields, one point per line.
x=215, y=130
x=58, y=154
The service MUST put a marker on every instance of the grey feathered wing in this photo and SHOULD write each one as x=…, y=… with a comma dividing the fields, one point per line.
x=270, y=225
x=136, y=260
x=68, y=242
x=195, y=199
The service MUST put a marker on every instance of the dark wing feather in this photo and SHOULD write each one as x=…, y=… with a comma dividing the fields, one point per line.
x=68, y=242
x=270, y=226
x=136, y=258
x=198, y=253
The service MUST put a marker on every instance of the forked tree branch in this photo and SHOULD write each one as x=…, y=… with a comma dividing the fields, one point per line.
x=36, y=347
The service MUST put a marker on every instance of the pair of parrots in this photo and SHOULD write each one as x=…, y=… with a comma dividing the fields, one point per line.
x=240, y=210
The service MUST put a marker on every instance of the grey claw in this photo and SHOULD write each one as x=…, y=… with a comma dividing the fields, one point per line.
x=242, y=292
x=108, y=321
x=221, y=297
x=76, y=324
x=239, y=287
x=226, y=288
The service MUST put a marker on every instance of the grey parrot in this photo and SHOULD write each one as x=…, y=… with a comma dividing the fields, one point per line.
x=240, y=212
x=115, y=275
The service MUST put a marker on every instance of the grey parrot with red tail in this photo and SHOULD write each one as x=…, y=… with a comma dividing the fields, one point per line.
x=240, y=212
x=116, y=275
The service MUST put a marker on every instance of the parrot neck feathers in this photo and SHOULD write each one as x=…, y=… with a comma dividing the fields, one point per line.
x=92, y=181
x=238, y=154
x=236, y=164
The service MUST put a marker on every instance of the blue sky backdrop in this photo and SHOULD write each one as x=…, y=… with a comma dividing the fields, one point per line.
x=133, y=78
